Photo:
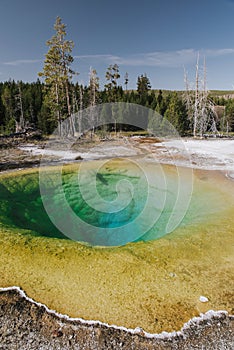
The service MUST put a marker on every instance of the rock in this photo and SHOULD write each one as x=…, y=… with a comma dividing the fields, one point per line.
x=78, y=158
x=203, y=299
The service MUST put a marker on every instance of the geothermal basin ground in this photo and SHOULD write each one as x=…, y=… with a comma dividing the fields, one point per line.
x=157, y=283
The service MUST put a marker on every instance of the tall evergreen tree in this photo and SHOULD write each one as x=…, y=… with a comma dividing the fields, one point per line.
x=143, y=87
x=126, y=81
x=143, y=84
x=112, y=91
x=58, y=75
x=176, y=114
x=9, y=105
x=229, y=116
x=112, y=76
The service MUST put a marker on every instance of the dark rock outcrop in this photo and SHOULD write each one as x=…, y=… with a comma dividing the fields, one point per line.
x=25, y=324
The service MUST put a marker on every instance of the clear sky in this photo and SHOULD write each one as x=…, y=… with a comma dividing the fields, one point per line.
x=156, y=37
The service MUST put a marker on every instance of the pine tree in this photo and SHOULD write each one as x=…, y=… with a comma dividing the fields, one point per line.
x=58, y=75
x=9, y=104
x=126, y=81
x=143, y=87
x=229, y=117
x=112, y=75
x=112, y=91
x=176, y=114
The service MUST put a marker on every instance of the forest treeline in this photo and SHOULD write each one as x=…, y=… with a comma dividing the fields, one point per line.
x=47, y=102
x=27, y=100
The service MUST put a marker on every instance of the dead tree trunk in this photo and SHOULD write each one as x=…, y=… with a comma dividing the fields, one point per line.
x=21, y=124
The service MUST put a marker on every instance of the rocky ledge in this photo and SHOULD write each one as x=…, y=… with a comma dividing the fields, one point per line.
x=25, y=324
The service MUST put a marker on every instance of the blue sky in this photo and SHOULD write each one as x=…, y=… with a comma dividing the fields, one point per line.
x=158, y=38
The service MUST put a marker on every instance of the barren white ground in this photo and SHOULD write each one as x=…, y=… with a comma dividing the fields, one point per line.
x=204, y=154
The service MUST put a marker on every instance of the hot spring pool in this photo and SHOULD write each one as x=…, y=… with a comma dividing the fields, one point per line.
x=156, y=281
x=111, y=206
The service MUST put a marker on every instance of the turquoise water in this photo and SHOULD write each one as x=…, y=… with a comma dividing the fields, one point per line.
x=106, y=188
x=21, y=206
x=121, y=207
x=107, y=207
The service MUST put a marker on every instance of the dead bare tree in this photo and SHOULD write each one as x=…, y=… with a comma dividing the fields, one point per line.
x=19, y=125
x=199, y=106
x=93, y=96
